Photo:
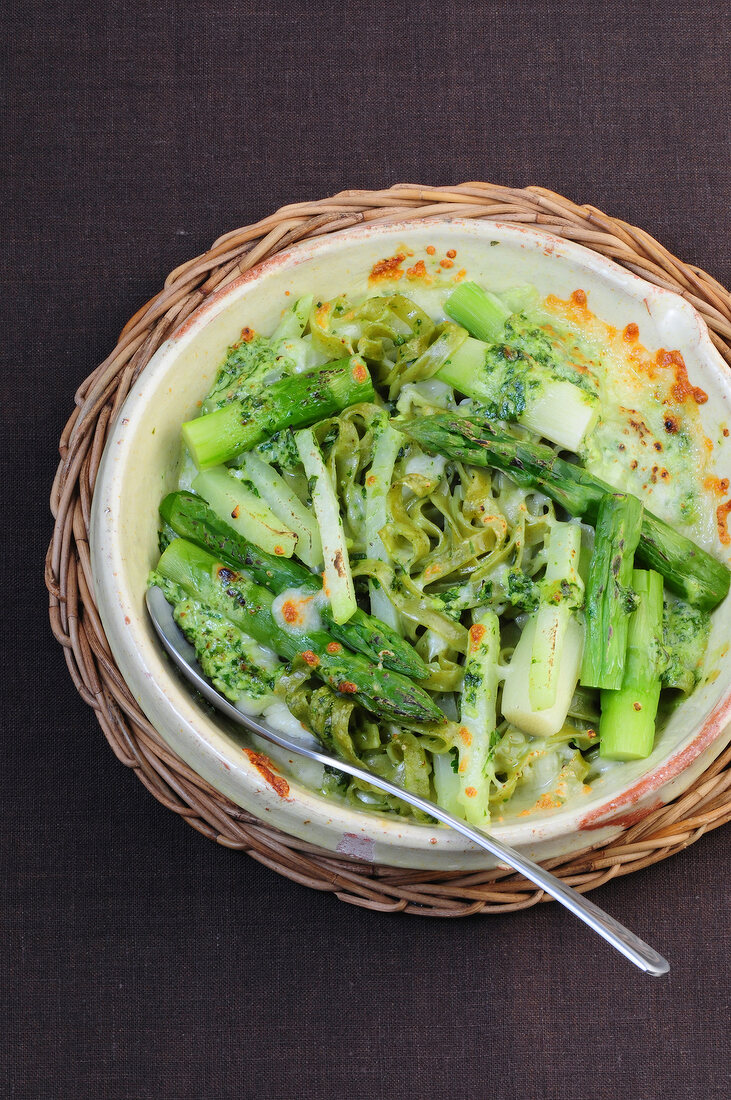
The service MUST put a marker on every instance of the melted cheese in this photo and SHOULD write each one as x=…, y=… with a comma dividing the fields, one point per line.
x=649, y=439
x=297, y=610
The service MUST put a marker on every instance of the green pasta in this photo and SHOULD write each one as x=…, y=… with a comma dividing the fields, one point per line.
x=379, y=545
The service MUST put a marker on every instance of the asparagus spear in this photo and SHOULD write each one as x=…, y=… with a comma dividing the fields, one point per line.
x=294, y=402
x=515, y=372
x=192, y=518
x=686, y=568
x=609, y=598
x=627, y=723
x=249, y=606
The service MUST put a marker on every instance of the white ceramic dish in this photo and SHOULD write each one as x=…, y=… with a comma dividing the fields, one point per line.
x=140, y=465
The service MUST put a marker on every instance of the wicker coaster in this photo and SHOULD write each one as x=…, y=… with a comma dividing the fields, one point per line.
x=75, y=621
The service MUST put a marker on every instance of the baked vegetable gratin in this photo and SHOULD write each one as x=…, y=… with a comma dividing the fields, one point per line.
x=418, y=525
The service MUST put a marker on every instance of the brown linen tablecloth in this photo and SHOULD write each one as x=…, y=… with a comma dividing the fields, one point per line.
x=144, y=960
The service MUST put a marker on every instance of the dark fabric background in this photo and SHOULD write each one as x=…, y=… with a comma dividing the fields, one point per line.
x=145, y=961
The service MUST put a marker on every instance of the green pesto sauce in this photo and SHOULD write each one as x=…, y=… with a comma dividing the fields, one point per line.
x=245, y=367
x=685, y=638
x=279, y=448
x=234, y=663
x=521, y=591
x=228, y=657
x=554, y=351
x=507, y=380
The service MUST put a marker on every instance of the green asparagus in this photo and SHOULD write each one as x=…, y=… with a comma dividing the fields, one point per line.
x=627, y=723
x=191, y=518
x=249, y=606
x=687, y=569
x=294, y=401
x=609, y=597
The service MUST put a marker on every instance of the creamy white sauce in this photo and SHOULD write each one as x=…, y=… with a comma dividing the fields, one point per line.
x=430, y=466
x=297, y=610
x=430, y=390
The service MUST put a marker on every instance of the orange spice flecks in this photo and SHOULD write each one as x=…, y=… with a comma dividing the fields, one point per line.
x=262, y=764
x=630, y=332
x=247, y=334
x=460, y=275
x=279, y=550
x=681, y=387
x=430, y=250
x=574, y=308
x=347, y=687
x=371, y=479
x=322, y=312
x=451, y=253
x=722, y=513
x=446, y=263
x=477, y=633
x=388, y=268
x=465, y=735
x=333, y=647
x=290, y=611
x=236, y=512
x=418, y=271
x=360, y=371
x=310, y=658
x=471, y=792
x=718, y=485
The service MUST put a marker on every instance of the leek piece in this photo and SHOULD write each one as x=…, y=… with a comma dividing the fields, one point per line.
x=285, y=503
x=245, y=510
x=294, y=320
x=562, y=591
x=516, y=706
x=479, y=311
x=377, y=483
x=518, y=388
x=338, y=577
x=478, y=718
x=446, y=782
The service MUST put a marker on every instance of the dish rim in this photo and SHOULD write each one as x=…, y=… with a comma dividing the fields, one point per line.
x=598, y=813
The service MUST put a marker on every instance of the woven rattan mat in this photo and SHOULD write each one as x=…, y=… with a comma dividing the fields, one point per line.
x=76, y=624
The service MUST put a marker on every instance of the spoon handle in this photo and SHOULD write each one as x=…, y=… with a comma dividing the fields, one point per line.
x=626, y=942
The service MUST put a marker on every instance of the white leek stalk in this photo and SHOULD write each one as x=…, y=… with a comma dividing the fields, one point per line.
x=244, y=509
x=338, y=576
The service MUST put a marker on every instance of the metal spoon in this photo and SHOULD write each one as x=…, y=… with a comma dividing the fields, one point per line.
x=631, y=946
